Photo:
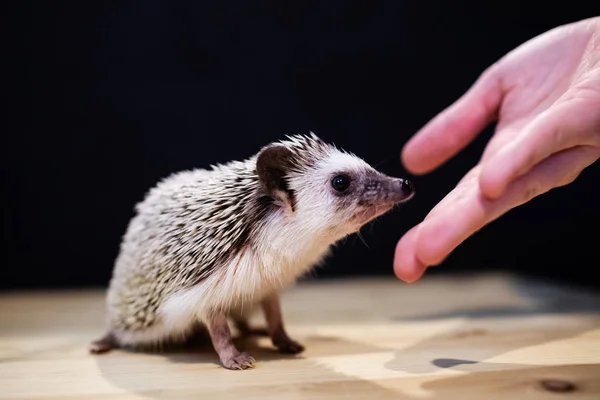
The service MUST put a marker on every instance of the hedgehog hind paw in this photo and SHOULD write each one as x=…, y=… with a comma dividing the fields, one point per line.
x=103, y=345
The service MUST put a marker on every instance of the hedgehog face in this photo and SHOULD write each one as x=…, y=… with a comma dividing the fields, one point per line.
x=352, y=193
x=327, y=190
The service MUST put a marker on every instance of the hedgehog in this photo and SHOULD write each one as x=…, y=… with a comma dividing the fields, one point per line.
x=209, y=247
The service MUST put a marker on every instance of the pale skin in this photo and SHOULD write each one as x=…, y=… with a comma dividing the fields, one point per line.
x=545, y=99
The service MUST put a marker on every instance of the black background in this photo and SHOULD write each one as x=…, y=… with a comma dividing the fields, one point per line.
x=108, y=97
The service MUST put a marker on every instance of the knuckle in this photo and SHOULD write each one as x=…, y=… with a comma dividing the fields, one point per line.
x=530, y=192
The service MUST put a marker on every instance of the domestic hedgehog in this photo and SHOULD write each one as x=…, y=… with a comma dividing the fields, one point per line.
x=210, y=246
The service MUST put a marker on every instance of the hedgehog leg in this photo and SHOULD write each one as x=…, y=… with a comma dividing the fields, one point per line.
x=245, y=329
x=281, y=340
x=220, y=334
x=105, y=344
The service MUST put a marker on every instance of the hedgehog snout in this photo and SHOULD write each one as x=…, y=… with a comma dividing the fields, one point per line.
x=386, y=190
x=400, y=190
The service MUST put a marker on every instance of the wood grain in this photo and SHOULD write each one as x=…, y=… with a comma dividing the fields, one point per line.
x=478, y=337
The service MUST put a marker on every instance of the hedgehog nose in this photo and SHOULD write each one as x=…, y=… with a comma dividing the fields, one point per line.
x=407, y=186
x=402, y=190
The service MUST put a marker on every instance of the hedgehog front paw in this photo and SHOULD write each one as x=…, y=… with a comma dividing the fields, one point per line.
x=238, y=361
x=289, y=346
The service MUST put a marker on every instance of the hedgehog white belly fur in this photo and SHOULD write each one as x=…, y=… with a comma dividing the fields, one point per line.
x=206, y=245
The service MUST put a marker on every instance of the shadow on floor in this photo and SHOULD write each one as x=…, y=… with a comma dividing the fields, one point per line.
x=269, y=380
x=479, y=337
x=462, y=349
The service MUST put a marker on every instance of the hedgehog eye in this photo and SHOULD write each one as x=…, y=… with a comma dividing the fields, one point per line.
x=340, y=182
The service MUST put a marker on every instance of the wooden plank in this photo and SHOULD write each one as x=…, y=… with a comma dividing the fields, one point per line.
x=467, y=337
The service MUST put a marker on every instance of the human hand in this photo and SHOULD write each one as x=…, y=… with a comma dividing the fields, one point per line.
x=545, y=98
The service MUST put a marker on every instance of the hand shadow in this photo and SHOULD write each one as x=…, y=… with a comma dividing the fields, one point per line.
x=487, y=332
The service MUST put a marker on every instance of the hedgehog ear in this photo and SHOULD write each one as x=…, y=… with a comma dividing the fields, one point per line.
x=272, y=164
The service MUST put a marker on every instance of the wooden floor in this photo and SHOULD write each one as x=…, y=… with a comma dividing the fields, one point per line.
x=487, y=337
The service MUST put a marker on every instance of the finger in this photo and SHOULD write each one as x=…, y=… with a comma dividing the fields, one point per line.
x=465, y=211
x=558, y=128
x=406, y=265
x=454, y=128
x=505, y=133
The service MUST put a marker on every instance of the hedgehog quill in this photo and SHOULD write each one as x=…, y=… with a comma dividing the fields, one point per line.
x=210, y=246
